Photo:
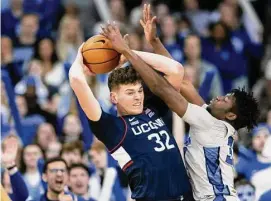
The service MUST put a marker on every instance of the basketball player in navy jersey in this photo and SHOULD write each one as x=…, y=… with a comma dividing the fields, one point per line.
x=137, y=138
x=209, y=150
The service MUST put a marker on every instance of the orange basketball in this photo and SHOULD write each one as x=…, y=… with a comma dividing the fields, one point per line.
x=99, y=56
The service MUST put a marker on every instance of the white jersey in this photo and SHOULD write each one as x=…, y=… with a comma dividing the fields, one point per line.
x=208, y=155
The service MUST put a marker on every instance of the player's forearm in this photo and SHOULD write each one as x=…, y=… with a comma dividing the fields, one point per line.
x=159, y=48
x=189, y=92
x=161, y=63
x=152, y=79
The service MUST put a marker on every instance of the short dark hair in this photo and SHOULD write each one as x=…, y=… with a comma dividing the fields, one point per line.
x=246, y=109
x=126, y=75
x=80, y=165
x=52, y=160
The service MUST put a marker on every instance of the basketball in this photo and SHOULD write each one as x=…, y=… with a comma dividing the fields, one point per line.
x=99, y=56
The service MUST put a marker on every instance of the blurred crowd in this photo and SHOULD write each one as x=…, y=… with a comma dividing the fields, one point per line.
x=222, y=44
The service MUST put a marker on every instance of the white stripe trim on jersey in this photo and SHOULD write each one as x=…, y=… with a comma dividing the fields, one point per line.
x=121, y=156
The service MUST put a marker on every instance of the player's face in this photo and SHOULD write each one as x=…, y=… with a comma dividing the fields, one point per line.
x=129, y=99
x=56, y=176
x=79, y=181
x=221, y=107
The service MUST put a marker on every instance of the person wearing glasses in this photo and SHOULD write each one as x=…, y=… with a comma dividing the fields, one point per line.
x=56, y=175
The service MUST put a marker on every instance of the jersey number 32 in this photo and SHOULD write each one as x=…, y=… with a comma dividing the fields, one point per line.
x=161, y=146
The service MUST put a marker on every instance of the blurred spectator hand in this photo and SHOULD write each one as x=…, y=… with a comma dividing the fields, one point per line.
x=10, y=146
x=148, y=23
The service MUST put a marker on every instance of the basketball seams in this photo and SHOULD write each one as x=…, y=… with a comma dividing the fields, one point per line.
x=100, y=49
x=103, y=61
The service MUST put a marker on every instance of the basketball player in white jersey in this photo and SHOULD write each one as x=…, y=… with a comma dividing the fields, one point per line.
x=209, y=150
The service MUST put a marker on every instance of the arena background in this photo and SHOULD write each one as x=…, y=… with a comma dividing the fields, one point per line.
x=39, y=41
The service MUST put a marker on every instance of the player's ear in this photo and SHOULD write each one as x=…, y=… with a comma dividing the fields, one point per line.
x=113, y=98
x=231, y=116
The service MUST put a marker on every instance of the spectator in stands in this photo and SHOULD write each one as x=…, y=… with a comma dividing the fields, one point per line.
x=245, y=190
x=135, y=41
x=12, y=179
x=14, y=68
x=29, y=169
x=108, y=176
x=72, y=152
x=72, y=128
x=79, y=181
x=30, y=123
x=70, y=37
x=11, y=18
x=262, y=91
x=218, y=50
x=27, y=37
x=161, y=11
x=56, y=175
x=208, y=80
x=255, y=169
x=200, y=19
x=169, y=37
x=45, y=135
x=53, y=150
x=118, y=11
x=53, y=70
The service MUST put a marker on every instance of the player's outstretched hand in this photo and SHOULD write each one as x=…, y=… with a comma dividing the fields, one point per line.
x=111, y=32
x=148, y=23
x=10, y=149
x=79, y=62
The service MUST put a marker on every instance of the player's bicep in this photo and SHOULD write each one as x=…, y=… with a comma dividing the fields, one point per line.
x=198, y=117
x=86, y=99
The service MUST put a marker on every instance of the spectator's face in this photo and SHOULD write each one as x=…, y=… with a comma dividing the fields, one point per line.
x=53, y=150
x=6, y=46
x=191, y=4
x=46, y=135
x=29, y=25
x=32, y=154
x=35, y=68
x=228, y=15
x=56, y=176
x=219, y=33
x=221, y=107
x=71, y=29
x=72, y=126
x=46, y=49
x=118, y=10
x=161, y=11
x=99, y=158
x=72, y=157
x=79, y=181
x=191, y=74
x=192, y=47
x=21, y=105
x=16, y=3
x=129, y=98
x=168, y=27
x=258, y=140
x=246, y=192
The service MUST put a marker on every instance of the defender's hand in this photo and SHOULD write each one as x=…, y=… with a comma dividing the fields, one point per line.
x=148, y=23
x=112, y=33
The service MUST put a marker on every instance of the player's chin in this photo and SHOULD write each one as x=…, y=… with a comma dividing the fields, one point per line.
x=136, y=110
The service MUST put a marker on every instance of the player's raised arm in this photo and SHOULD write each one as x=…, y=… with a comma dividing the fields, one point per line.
x=148, y=22
x=79, y=84
x=157, y=84
x=172, y=70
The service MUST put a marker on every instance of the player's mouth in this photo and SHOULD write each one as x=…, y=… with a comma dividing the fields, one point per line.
x=137, y=104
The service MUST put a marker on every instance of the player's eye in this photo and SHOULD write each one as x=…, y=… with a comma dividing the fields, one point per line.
x=130, y=93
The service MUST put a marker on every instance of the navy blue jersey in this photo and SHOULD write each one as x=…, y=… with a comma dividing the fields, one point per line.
x=146, y=151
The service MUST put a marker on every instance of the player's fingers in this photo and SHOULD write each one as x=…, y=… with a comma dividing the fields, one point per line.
x=149, y=12
x=104, y=31
x=109, y=27
x=126, y=38
x=153, y=20
x=145, y=13
x=81, y=47
x=142, y=24
x=115, y=26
